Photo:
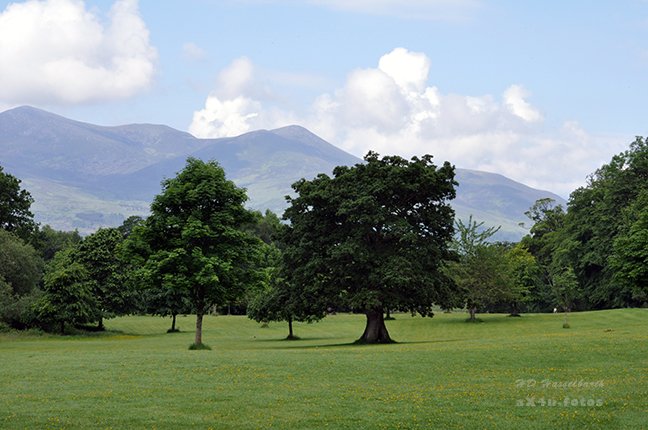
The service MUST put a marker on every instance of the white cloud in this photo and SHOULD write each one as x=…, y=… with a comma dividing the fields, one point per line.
x=514, y=98
x=392, y=109
x=57, y=51
x=409, y=70
x=222, y=118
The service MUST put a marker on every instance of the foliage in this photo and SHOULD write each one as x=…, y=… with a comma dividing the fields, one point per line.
x=100, y=255
x=17, y=311
x=15, y=203
x=373, y=237
x=277, y=297
x=69, y=293
x=487, y=273
x=629, y=260
x=20, y=265
x=194, y=238
x=48, y=241
x=599, y=214
x=129, y=224
x=526, y=276
x=471, y=237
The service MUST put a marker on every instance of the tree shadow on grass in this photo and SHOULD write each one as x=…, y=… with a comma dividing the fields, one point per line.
x=354, y=344
x=291, y=341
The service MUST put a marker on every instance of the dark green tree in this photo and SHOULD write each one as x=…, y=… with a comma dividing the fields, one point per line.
x=280, y=298
x=69, y=295
x=20, y=265
x=526, y=276
x=629, y=260
x=48, y=241
x=597, y=215
x=167, y=285
x=100, y=255
x=545, y=237
x=15, y=204
x=196, y=239
x=275, y=297
x=374, y=236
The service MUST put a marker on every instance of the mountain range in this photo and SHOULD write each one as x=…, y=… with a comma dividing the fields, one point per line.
x=84, y=176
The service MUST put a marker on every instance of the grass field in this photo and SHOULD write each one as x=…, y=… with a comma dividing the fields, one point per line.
x=445, y=373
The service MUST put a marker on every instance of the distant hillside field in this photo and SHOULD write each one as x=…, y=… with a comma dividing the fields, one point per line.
x=504, y=373
x=85, y=176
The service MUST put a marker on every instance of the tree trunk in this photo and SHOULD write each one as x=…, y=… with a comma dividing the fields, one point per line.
x=199, y=321
x=375, y=330
x=100, y=325
x=290, y=329
x=173, y=321
x=473, y=312
x=62, y=327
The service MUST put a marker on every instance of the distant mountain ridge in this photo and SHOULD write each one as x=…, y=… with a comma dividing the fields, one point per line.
x=85, y=176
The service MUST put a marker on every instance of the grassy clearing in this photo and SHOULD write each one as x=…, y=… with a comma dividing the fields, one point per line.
x=444, y=373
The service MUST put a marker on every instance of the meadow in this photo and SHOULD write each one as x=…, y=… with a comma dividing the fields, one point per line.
x=502, y=373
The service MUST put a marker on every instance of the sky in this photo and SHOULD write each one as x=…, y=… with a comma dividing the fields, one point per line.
x=541, y=92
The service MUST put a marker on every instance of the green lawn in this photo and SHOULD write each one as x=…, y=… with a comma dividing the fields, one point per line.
x=445, y=373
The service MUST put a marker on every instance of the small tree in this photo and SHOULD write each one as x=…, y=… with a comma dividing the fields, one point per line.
x=276, y=297
x=564, y=285
x=281, y=299
x=68, y=293
x=100, y=254
x=482, y=271
x=526, y=276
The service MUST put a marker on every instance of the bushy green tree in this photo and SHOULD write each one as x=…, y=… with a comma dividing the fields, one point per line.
x=69, y=293
x=526, y=276
x=373, y=236
x=196, y=241
x=100, y=255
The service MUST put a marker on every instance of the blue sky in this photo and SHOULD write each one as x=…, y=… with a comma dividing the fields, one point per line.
x=542, y=92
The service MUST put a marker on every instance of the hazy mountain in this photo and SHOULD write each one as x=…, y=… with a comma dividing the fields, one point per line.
x=85, y=176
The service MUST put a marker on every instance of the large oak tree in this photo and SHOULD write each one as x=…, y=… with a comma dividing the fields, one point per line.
x=373, y=237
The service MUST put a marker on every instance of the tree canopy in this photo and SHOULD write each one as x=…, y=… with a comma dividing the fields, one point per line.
x=373, y=237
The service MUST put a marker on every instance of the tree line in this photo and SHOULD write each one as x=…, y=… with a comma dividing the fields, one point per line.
x=374, y=238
